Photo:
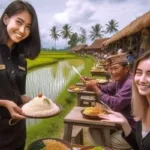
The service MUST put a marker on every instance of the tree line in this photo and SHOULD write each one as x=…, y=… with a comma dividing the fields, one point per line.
x=73, y=38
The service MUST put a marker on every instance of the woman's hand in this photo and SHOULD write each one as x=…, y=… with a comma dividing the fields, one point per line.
x=113, y=117
x=117, y=118
x=14, y=110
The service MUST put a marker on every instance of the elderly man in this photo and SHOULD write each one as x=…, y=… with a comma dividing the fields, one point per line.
x=117, y=95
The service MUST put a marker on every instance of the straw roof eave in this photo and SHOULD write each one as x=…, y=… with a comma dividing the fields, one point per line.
x=97, y=44
x=79, y=47
x=134, y=27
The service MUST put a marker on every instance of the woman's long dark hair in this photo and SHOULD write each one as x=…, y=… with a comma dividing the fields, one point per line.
x=30, y=46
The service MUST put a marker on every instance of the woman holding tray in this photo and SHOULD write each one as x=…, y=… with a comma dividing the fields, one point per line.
x=19, y=39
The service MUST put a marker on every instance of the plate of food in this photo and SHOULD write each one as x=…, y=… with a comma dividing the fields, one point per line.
x=102, y=81
x=76, y=88
x=95, y=148
x=50, y=144
x=93, y=112
x=40, y=107
x=98, y=69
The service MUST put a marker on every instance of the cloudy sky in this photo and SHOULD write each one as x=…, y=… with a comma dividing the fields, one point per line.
x=82, y=13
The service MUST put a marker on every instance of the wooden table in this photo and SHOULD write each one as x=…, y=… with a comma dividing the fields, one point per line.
x=75, y=118
x=84, y=96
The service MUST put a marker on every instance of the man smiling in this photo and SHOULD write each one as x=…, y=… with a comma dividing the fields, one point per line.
x=117, y=95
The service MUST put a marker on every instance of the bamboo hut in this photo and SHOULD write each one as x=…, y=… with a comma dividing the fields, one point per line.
x=96, y=46
x=79, y=48
x=137, y=32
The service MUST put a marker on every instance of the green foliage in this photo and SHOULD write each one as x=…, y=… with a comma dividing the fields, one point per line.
x=96, y=32
x=38, y=146
x=46, y=100
x=66, y=31
x=47, y=58
x=73, y=40
x=112, y=26
x=83, y=35
x=54, y=33
x=69, y=99
x=40, y=62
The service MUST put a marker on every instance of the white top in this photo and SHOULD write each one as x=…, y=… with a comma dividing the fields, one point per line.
x=144, y=133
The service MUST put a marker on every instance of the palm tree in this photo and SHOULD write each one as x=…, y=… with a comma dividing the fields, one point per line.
x=73, y=40
x=83, y=35
x=112, y=26
x=66, y=32
x=54, y=33
x=96, y=32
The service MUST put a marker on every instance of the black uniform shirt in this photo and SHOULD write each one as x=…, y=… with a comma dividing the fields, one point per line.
x=135, y=138
x=13, y=70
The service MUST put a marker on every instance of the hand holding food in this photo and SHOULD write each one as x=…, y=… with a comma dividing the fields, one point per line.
x=113, y=117
x=14, y=110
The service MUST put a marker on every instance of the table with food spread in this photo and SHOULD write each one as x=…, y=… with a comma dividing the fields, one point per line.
x=76, y=117
x=97, y=72
x=83, y=95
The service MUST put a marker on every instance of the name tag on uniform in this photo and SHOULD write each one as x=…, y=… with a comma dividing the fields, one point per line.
x=21, y=68
x=2, y=67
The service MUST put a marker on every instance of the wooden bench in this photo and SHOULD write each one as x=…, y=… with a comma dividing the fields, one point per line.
x=77, y=135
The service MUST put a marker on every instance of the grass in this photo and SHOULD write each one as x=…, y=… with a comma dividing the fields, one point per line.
x=53, y=127
x=47, y=58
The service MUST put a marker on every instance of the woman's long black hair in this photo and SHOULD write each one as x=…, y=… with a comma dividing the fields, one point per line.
x=30, y=46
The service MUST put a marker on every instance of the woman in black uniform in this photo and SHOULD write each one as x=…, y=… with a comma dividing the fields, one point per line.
x=19, y=39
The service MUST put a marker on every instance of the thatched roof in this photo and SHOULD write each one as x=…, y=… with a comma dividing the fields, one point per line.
x=97, y=44
x=79, y=47
x=134, y=27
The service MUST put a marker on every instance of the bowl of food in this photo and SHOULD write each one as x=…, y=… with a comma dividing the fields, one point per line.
x=49, y=144
x=93, y=112
x=95, y=148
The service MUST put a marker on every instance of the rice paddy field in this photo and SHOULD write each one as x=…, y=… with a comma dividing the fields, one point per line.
x=46, y=58
x=53, y=127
